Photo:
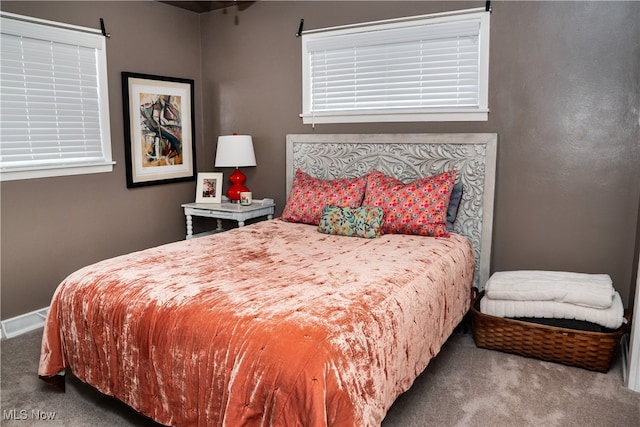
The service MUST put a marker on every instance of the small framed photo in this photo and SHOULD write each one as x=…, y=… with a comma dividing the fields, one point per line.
x=209, y=187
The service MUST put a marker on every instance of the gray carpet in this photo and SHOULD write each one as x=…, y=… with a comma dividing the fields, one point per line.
x=463, y=386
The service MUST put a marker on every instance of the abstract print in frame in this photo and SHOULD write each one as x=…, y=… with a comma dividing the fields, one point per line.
x=159, y=129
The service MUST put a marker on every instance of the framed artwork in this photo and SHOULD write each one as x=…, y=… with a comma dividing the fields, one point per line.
x=159, y=129
x=209, y=187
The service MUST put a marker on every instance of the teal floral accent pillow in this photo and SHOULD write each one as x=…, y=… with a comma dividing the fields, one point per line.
x=363, y=221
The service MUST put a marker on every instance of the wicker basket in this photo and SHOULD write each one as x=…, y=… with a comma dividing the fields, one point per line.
x=585, y=349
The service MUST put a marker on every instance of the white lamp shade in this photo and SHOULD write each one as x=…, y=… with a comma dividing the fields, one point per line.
x=235, y=151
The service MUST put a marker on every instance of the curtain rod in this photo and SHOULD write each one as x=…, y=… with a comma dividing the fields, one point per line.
x=299, y=33
x=393, y=20
x=54, y=24
x=104, y=31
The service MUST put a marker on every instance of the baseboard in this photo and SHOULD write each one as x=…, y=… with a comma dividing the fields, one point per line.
x=24, y=323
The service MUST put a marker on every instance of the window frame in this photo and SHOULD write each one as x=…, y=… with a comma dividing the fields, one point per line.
x=57, y=32
x=426, y=114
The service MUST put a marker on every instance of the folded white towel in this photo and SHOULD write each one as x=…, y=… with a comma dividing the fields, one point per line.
x=589, y=290
x=611, y=317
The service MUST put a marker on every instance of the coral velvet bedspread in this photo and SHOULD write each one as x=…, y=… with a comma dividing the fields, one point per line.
x=273, y=324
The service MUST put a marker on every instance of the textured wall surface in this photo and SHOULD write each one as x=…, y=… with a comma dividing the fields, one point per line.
x=53, y=226
x=563, y=93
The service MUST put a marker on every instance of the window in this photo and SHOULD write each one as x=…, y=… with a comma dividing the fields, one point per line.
x=54, y=108
x=424, y=68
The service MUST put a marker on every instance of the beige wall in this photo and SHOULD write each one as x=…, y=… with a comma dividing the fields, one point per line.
x=563, y=94
x=53, y=226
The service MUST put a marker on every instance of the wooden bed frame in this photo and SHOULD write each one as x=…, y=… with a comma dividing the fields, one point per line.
x=408, y=157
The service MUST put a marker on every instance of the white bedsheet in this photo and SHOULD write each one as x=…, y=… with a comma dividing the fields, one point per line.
x=611, y=317
x=589, y=290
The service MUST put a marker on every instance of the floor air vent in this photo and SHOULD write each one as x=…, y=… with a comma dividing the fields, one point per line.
x=24, y=323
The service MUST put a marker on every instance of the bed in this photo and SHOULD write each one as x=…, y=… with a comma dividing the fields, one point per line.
x=276, y=323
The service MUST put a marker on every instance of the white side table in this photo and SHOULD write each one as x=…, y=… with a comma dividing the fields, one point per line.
x=227, y=210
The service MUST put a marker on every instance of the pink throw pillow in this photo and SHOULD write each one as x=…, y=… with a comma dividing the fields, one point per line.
x=419, y=207
x=310, y=195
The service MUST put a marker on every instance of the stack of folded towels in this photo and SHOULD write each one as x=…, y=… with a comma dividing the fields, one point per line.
x=553, y=295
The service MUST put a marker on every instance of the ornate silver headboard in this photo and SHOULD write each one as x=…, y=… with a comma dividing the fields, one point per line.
x=408, y=157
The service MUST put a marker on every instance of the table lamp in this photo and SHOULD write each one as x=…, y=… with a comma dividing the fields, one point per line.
x=235, y=151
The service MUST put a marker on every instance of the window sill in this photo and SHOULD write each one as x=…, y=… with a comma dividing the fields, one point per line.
x=15, y=175
x=376, y=117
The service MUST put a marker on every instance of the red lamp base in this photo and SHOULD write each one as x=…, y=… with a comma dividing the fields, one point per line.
x=237, y=179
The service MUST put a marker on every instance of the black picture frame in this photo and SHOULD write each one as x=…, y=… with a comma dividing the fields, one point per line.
x=159, y=129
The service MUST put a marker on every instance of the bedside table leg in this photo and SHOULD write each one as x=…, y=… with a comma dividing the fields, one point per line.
x=240, y=223
x=219, y=225
x=269, y=216
x=189, y=227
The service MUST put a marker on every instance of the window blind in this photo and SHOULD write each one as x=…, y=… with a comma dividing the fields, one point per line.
x=53, y=100
x=424, y=65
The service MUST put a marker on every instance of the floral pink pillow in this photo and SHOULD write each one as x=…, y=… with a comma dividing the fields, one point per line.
x=310, y=195
x=419, y=207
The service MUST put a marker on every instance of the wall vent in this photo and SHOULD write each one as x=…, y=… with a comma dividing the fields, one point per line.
x=24, y=323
